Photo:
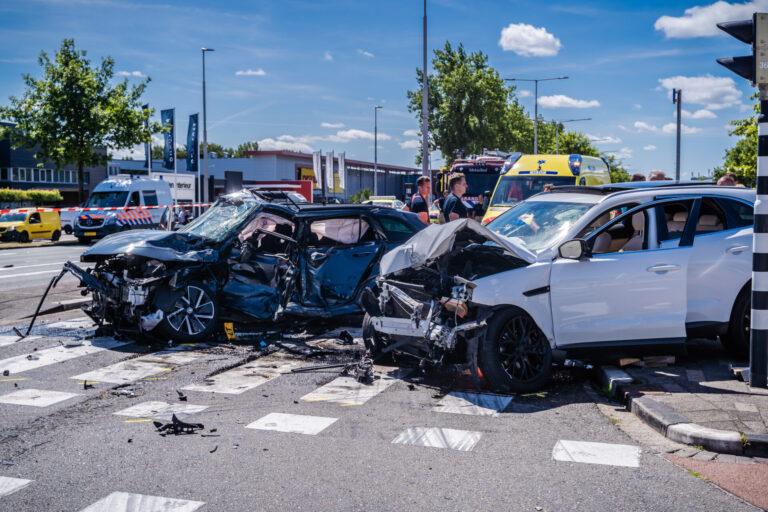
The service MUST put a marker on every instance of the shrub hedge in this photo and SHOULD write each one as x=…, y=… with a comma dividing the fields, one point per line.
x=10, y=195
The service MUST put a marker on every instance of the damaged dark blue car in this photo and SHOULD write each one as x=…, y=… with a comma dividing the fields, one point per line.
x=253, y=259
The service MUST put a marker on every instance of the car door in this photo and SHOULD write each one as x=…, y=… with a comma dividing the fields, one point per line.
x=631, y=295
x=339, y=254
x=37, y=229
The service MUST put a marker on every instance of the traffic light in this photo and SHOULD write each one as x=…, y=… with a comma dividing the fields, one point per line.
x=755, y=33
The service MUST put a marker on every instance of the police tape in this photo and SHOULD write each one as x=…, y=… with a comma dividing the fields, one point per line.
x=101, y=208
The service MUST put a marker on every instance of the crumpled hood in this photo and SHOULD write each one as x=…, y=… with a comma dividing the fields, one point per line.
x=438, y=239
x=155, y=244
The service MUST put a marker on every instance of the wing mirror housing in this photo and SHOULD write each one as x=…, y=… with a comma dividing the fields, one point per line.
x=575, y=249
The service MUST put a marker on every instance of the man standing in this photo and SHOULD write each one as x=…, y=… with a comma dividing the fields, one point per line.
x=419, y=202
x=454, y=208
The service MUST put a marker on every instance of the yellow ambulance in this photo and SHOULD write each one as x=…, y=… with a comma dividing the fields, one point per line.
x=526, y=175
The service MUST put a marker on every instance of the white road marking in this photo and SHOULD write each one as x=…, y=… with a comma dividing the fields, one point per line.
x=10, y=485
x=742, y=407
x=346, y=390
x=461, y=440
x=45, y=357
x=75, y=323
x=26, y=274
x=36, y=397
x=473, y=404
x=294, y=423
x=597, y=453
x=160, y=410
x=128, y=502
x=11, y=269
x=120, y=373
x=242, y=378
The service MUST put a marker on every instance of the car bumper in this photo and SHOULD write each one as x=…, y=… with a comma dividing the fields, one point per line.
x=9, y=236
x=96, y=231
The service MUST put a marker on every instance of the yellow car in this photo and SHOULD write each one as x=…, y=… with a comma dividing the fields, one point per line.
x=23, y=227
x=386, y=201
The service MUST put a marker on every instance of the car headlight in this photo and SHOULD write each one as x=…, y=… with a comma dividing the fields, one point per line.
x=12, y=228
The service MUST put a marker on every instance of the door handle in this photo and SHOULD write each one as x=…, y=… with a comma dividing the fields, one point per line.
x=663, y=268
x=737, y=249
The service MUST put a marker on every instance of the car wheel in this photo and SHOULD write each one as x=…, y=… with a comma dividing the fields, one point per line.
x=56, y=235
x=515, y=355
x=736, y=340
x=83, y=240
x=67, y=230
x=24, y=237
x=193, y=315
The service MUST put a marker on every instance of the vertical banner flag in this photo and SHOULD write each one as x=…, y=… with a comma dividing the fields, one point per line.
x=193, y=145
x=148, y=145
x=342, y=171
x=329, y=171
x=317, y=168
x=169, y=153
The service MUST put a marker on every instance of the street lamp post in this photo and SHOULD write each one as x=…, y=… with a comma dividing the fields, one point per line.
x=424, y=105
x=376, y=149
x=535, y=104
x=205, y=133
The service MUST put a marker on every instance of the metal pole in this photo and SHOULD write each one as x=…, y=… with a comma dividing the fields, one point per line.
x=536, y=118
x=557, y=138
x=375, y=151
x=205, y=133
x=677, y=97
x=758, y=353
x=175, y=177
x=424, y=104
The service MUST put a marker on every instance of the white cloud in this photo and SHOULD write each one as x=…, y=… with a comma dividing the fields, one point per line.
x=642, y=126
x=250, y=72
x=621, y=154
x=524, y=93
x=137, y=74
x=365, y=53
x=529, y=41
x=714, y=92
x=355, y=134
x=700, y=21
x=412, y=133
x=637, y=106
x=410, y=144
x=332, y=125
x=684, y=129
x=608, y=139
x=289, y=143
x=327, y=56
x=699, y=114
x=649, y=147
x=561, y=100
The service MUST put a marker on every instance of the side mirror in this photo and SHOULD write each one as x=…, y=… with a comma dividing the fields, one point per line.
x=486, y=199
x=574, y=249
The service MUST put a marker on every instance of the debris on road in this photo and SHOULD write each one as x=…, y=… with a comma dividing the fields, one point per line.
x=177, y=426
x=361, y=369
x=214, y=449
x=345, y=338
x=6, y=373
x=130, y=393
x=182, y=396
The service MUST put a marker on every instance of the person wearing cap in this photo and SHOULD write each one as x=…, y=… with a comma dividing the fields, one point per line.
x=419, y=203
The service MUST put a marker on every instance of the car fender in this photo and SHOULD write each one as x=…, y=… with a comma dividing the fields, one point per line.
x=524, y=287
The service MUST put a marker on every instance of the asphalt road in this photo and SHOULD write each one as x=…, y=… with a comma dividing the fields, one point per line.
x=88, y=446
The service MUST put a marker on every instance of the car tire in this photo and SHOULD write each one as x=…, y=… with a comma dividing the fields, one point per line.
x=56, y=235
x=736, y=340
x=514, y=355
x=67, y=229
x=190, y=318
x=23, y=237
x=83, y=240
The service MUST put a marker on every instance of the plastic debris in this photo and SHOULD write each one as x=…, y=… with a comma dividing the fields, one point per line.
x=345, y=338
x=177, y=426
x=182, y=396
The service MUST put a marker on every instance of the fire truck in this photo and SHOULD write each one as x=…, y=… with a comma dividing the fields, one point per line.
x=482, y=172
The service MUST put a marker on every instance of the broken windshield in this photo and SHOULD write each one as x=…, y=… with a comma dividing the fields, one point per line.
x=538, y=224
x=223, y=218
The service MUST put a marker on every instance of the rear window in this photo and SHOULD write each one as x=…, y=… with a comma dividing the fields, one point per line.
x=396, y=230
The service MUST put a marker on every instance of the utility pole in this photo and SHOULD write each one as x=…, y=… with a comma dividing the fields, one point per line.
x=376, y=149
x=677, y=97
x=424, y=105
x=205, y=133
x=535, y=104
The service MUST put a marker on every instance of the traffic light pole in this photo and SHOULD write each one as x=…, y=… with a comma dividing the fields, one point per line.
x=758, y=356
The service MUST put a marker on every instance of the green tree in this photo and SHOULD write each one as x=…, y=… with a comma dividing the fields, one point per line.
x=73, y=113
x=741, y=159
x=470, y=108
x=618, y=173
x=361, y=196
x=245, y=146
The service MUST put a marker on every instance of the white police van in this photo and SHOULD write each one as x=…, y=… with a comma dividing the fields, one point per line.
x=131, y=198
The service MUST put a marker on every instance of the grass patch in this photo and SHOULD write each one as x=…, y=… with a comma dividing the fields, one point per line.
x=698, y=475
x=698, y=447
x=744, y=439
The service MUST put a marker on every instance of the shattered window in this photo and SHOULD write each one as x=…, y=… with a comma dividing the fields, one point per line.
x=223, y=218
x=538, y=224
x=338, y=231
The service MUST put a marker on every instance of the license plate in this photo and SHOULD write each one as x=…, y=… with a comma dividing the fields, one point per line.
x=90, y=233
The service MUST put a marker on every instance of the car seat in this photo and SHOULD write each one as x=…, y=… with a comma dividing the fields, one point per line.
x=636, y=242
x=677, y=224
x=708, y=223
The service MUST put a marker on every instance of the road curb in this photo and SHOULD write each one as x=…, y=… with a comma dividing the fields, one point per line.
x=4, y=246
x=677, y=427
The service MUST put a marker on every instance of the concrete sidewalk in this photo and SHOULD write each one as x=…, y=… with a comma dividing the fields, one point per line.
x=697, y=401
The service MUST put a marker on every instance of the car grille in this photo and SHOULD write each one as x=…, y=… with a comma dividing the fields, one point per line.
x=89, y=222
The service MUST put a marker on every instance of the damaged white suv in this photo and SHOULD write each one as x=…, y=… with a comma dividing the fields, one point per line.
x=582, y=273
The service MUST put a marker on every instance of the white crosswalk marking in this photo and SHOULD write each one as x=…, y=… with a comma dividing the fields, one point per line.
x=473, y=404
x=36, y=397
x=45, y=357
x=461, y=440
x=346, y=390
x=294, y=423
x=160, y=410
x=10, y=485
x=139, y=368
x=597, y=453
x=243, y=378
x=127, y=502
x=76, y=323
x=10, y=340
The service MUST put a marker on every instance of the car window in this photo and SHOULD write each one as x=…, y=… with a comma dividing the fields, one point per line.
x=339, y=231
x=267, y=222
x=671, y=220
x=395, y=229
x=150, y=198
x=623, y=234
x=34, y=218
x=711, y=217
x=604, y=218
x=738, y=214
x=135, y=201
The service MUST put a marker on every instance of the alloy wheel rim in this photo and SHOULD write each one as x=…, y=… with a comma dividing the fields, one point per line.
x=522, y=349
x=192, y=312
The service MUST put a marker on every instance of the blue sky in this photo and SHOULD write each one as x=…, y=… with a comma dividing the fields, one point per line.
x=306, y=74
